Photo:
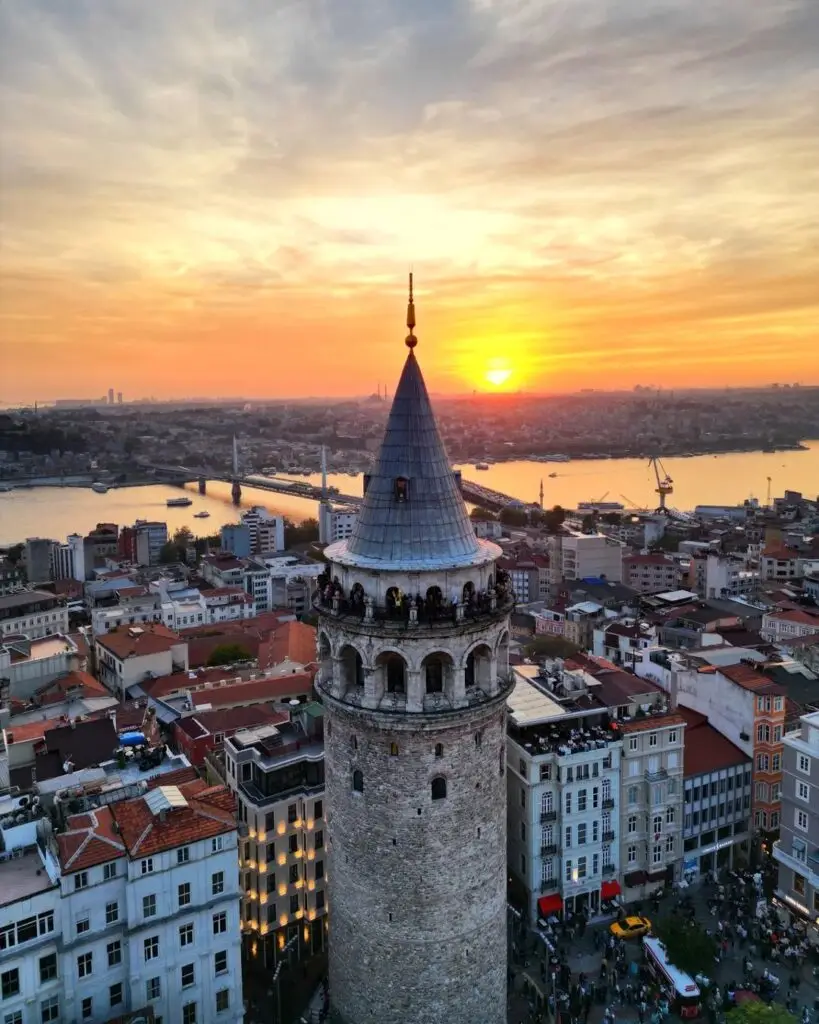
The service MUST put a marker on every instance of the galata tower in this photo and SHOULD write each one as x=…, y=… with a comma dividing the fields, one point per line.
x=413, y=648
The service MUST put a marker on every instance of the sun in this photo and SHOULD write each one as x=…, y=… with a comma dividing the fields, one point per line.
x=497, y=376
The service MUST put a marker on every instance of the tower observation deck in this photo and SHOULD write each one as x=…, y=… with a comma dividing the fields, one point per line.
x=413, y=648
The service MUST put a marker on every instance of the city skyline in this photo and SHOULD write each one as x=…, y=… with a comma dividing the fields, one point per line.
x=589, y=196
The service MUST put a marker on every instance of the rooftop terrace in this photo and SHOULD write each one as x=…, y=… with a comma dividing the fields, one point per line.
x=22, y=875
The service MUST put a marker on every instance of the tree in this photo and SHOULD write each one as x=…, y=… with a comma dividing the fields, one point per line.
x=229, y=654
x=168, y=553
x=183, y=537
x=688, y=946
x=554, y=519
x=16, y=553
x=589, y=524
x=479, y=514
x=512, y=516
x=300, y=533
x=756, y=1012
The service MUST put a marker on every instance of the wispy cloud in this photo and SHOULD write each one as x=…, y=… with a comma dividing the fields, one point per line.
x=582, y=175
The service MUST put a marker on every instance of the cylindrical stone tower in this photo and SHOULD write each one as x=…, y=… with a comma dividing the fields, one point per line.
x=413, y=649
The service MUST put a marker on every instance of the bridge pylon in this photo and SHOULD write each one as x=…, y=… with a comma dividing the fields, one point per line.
x=236, y=492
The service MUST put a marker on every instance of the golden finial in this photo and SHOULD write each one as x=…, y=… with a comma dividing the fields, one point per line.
x=411, y=340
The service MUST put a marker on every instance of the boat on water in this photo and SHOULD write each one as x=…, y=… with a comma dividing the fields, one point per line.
x=553, y=474
x=481, y=465
x=178, y=502
x=204, y=514
x=99, y=488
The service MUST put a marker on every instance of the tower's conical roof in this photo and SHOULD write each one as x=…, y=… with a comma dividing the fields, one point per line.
x=413, y=513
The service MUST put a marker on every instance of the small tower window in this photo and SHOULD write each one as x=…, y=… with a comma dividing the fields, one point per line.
x=439, y=750
x=401, y=489
x=354, y=742
x=479, y=737
x=393, y=750
x=439, y=788
x=358, y=781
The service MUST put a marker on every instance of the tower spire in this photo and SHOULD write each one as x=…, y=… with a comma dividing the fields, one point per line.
x=411, y=340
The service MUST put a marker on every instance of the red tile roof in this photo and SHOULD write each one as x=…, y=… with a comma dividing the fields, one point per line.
x=795, y=615
x=705, y=748
x=126, y=642
x=210, y=812
x=257, y=691
x=652, y=722
x=174, y=778
x=89, y=839
x=228, y=720
x=79, y=684
x=750, y=679
x=294, y=641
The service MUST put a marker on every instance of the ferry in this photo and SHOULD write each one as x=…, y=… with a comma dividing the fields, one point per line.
x=481, y=465
x=178, y=502
x=99, y=488
x=204, y=514
x=552, y=475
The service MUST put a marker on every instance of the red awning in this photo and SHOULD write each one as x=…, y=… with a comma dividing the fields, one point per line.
x=608, y=890
x=551, y=904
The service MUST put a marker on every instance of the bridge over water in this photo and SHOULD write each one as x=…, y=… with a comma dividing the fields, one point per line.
x=473, y=492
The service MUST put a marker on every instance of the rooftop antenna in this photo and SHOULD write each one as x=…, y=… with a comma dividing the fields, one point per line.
x=411, y=340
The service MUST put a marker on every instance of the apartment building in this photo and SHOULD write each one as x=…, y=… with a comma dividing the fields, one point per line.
x=743, y=704
x=277, y=775
x=337, y=522
x=149, y=540
x=569, y=730
x=30, y=986
x=132, y=907
x=266, y=530
x=563, y=783
x=592, y=556
x=651, y=808
x=623, y=642
x=785, y=624
x=651, y=574
x=128, y=655
x=797, y=850
x=717, y=800
x=32, y=613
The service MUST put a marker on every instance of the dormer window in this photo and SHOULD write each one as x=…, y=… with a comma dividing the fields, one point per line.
x=401, y=488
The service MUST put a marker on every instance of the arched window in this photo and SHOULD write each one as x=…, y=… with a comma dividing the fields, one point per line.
x=439, y=750
x=439, y=788
x=393, y=750
x=479, y=737
x=354, y=742
x=434, y=675
x=358, y=781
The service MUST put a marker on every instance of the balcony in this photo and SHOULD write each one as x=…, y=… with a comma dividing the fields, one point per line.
x=360, y=611
x=608, y=837
x=608, y=804
x=657, y=776
x=609, y=869
x=801, y=867
x=549, y=885
x=548, y=816
x=549, y=850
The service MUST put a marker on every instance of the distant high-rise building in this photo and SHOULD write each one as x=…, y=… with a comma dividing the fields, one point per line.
x=235, y=538
x=119, y=398
x=266, y=530
x=110, y=396
x=39, y=559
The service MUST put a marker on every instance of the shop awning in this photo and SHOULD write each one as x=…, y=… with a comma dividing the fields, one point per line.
x=608, y=890
x=635, y=878
x=551, y=904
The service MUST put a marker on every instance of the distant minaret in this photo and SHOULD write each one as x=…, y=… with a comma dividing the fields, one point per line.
x=541, y=492
x=324, y=472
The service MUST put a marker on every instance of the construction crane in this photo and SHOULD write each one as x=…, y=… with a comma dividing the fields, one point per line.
x=665, y=485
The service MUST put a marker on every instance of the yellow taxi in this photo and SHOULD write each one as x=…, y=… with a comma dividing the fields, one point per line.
x=630, y=928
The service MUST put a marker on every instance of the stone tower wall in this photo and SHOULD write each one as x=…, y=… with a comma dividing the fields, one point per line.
x=417, y=886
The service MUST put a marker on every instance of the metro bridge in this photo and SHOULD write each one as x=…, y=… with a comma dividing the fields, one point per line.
x=475, y=493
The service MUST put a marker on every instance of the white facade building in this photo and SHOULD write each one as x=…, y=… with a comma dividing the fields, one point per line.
x=32, y=613
x=336, y=522
x=592, y=556
x=150, y=908
x=127, y=656
x=266, y=530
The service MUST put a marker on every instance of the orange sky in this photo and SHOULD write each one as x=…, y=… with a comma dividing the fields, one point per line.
x=224, y=198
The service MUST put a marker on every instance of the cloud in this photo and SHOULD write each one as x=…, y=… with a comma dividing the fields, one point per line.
x=546, y=148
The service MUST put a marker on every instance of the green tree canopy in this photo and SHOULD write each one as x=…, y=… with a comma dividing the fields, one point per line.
x=183, y=537
x=589, y=524
x=513, y=516
x=688, y=946
x=554, y=518
x=168, y=553
x=300, y=533
x=550, y=647
x=482, y=514
x=229, y=654
x=757, y=1012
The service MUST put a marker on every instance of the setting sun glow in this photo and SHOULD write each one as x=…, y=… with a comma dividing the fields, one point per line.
x=497, y=377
